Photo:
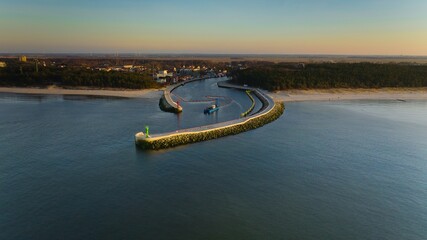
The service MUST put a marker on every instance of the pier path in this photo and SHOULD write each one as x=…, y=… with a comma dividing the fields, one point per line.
x=266, y=101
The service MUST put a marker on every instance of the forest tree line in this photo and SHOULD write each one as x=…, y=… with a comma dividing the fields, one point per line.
x=24, y=75
x=333, y=75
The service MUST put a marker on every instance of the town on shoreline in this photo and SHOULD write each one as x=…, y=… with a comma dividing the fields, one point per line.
x=132, y=77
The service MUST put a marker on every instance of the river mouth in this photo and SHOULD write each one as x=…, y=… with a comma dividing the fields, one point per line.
x=268, y=112
x=194, y=97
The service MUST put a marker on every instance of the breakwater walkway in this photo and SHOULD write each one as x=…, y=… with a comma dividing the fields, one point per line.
x=166, y=103
x=269, y=112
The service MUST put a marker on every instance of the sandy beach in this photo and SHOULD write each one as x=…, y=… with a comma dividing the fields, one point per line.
x=287, y=96
x=144, y=93
x=401, y=94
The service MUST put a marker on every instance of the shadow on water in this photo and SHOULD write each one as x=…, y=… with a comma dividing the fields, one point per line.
x=30, y=97
x=91, y=97
x=143, y=154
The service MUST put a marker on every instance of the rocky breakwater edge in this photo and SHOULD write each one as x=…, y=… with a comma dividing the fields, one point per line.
x=270, y=111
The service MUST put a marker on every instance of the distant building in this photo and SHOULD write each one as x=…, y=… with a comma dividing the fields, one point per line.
x=140, y=67
x=2, y=64
x=127, y=66
x=105, y=69
x=161, y=80
x=185, y=71
x=164, y=74
x=22, y=58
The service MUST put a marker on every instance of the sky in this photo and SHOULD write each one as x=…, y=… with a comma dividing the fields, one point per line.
x=362, y=27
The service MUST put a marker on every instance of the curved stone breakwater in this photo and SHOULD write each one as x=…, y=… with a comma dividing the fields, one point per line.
x=269, y=112
x=166, y=103
x=252, y=105
x=175, y=139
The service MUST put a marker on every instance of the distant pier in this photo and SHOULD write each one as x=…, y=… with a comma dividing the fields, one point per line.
x=269, y=112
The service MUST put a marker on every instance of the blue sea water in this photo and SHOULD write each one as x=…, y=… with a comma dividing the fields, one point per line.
x=69, y=169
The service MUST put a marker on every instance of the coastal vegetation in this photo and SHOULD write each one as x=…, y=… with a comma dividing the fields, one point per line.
x=332, y=75
x=248, y=92
x=30, y=75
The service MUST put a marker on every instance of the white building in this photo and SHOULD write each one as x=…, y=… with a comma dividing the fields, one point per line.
x=164, y=74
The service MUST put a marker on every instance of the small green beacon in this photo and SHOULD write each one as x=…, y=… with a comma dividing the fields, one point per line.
x=147, y=131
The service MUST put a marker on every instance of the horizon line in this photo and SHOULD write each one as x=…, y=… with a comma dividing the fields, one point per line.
x=209, y=54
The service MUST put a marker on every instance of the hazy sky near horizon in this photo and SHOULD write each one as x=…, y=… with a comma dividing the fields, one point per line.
x=379, y=27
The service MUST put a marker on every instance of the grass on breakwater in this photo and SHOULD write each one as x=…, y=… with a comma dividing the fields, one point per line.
x=251, y=107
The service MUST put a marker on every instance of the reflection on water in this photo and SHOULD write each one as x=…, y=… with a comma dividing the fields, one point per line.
x=411, y=111
x=194, y=97
x=17, y=97
x=327, y=170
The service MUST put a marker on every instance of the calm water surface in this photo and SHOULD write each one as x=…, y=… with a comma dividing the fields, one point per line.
x=325, y=170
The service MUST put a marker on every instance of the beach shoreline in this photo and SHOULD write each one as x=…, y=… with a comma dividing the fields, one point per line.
x=344, y=94
x=338, y=94
x=54, y=90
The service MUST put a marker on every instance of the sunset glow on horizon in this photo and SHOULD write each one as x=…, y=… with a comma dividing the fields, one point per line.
x=363, y=27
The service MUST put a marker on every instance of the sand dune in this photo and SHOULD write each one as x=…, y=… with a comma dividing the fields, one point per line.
x=287, y=96
x=146, y=93
x=351, y=94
